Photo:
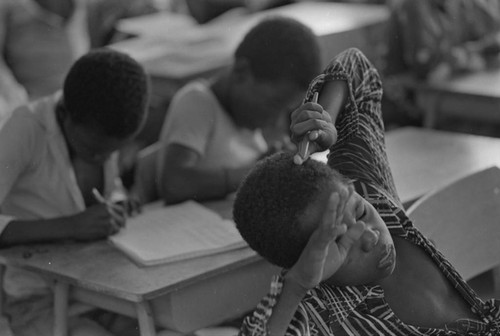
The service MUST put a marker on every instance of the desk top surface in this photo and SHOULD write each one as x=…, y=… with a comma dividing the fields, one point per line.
x=322, y=17
x=483, y=84
x=424, y=159
x=184, y=50
x=103, y=268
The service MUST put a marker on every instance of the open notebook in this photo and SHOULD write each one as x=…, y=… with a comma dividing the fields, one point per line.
x=162, y=234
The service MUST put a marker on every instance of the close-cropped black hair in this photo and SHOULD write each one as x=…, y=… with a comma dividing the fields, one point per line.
x=280, y=48
x=108, y=91
x=270, y=201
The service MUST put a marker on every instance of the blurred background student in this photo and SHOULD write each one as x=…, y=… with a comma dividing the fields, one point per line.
x=214, y=130
x=40, y=40
x=435, y=39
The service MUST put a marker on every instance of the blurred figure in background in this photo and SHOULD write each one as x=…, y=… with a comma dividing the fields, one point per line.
x=40, y=40
x=435, y=39
x=214, y=129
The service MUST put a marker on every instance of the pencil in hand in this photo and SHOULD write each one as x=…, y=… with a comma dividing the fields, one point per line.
x=303, y=148
x=100, y=198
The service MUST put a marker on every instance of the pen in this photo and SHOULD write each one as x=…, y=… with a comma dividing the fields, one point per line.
x=303, y=150
x=98, y=196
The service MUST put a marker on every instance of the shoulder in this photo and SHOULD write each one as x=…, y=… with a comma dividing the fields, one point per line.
x=194, y=98
x=23, y=134
x=195, y=89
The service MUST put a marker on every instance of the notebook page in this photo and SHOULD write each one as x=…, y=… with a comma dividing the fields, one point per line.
x=169, y=233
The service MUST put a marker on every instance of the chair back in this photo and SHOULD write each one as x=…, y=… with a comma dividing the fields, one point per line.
x=463, y=220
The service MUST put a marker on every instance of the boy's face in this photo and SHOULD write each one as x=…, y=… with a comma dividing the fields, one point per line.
x=260, y=104
x=88, y=144
x=373, y=256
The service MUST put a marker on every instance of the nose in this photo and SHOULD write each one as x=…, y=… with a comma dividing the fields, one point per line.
x=369, y=239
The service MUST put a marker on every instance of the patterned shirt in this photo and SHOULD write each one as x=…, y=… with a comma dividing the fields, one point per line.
x=360, y=154
x=423, y=33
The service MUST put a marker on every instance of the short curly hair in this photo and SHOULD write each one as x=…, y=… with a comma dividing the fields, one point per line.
x=108, y=91
x=271, y=199
x=281, y=48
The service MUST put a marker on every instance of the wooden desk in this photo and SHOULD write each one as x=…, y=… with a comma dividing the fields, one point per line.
x=474, y=96
x=423, y=159
x=182, y=296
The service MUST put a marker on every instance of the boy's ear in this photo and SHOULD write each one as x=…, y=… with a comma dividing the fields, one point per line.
x=61, y=108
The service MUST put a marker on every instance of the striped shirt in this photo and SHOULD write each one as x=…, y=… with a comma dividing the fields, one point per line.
x=360, y=154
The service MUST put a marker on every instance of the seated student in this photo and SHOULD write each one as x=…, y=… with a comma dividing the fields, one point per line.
x=41, y=39
x=212, y=133
x=438, y=38
x=354, y=264
x=53, y=153
x=434, y=40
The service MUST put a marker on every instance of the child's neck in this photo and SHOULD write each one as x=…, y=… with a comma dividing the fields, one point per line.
x=419, y=293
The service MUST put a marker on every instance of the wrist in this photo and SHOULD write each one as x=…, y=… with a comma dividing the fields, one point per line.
x=293, y=286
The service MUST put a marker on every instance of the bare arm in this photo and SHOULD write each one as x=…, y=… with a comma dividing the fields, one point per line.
x=323, y=255
x=181, y=178
x=96, y=222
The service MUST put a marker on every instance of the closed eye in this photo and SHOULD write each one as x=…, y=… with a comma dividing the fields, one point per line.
x=363, y=212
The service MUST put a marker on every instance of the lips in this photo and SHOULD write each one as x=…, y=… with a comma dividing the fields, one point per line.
x=388, y=258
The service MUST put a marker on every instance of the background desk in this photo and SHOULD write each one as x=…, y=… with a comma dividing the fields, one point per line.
x=423, y=160
x=182, y=296
x=474, y=96
x=164, y=40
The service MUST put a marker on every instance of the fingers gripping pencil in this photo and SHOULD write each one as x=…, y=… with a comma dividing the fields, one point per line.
x=303, y=148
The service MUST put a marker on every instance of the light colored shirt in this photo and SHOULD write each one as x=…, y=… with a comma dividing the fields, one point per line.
x=39, y=46
x=196, y=119
x=37, y=180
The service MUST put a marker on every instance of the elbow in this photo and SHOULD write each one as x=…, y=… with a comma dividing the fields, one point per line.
x=173, y=190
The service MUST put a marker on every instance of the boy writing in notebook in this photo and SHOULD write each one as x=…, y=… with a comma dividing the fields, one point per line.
x=57, y=155
x=353, y=262
x=214, y=131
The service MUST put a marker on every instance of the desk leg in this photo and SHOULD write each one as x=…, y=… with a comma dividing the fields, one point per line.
x=145, y=317
x=2, y=293
x=431, y=110
x=61, y=293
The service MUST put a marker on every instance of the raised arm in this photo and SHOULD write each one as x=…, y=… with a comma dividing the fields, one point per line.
x=348, y=120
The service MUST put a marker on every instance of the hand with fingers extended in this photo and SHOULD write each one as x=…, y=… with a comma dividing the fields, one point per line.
x=312, y=121
x=98, y=221
x=328, y=246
